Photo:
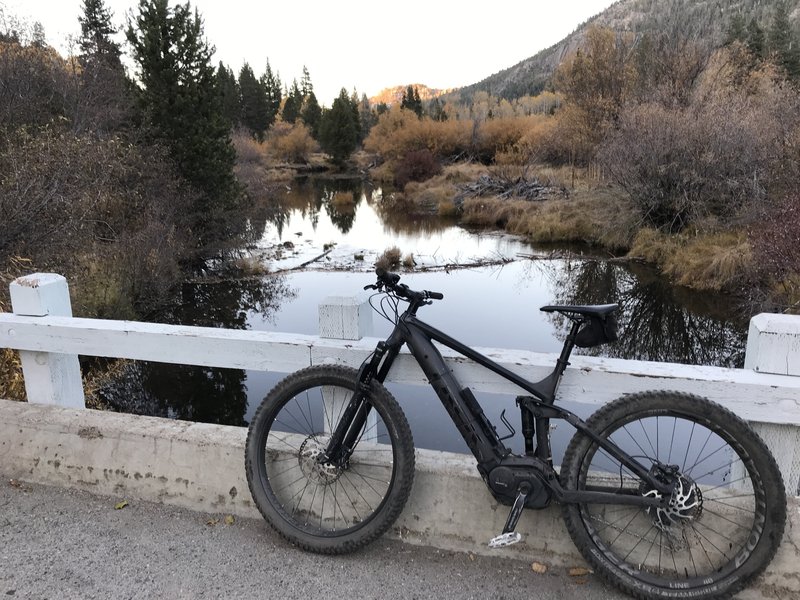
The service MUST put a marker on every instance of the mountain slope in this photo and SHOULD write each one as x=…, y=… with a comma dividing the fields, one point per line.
x=705, y=20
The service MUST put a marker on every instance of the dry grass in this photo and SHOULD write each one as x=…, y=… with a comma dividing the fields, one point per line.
x=704, y=261
x=435, y=195
x=600, y=217
x=12, y=384
x=249, y=266
x=390, y=259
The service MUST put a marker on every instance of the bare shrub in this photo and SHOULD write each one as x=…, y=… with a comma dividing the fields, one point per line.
x=35, y=85
x=682, y=164
x=399, y=132
x=293, y=144
x=499, y=135
x=87, y=207
x=775, y=245
x=248, y=149
x=417, y=165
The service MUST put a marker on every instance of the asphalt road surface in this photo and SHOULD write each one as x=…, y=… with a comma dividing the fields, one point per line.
x=63, y=544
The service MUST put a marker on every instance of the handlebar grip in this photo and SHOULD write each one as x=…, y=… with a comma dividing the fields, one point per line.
x=435, y=295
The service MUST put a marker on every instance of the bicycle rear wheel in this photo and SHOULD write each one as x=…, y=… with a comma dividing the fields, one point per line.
x=726, y=516
x=314, y=503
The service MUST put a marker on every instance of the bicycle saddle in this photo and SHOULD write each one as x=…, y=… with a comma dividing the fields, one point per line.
x=590, y=310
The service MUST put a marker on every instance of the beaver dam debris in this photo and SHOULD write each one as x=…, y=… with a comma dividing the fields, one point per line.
x=505, y=187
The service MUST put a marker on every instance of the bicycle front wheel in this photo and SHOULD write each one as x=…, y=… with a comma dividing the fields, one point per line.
x=317, y=504
x=723, y=522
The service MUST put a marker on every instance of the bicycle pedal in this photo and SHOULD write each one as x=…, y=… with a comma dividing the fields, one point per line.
x=505, y=539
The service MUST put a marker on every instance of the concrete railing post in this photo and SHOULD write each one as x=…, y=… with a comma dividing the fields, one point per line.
x=773, y=346
x=345, y=318
x=50, y=378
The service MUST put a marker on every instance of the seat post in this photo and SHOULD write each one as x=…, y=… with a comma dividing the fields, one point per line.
x=550, y=383
x=566, y=350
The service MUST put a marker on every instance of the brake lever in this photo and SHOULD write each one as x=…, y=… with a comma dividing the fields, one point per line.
x=371, y=287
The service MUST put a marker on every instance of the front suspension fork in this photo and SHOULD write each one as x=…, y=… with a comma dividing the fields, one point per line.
x=353, y=419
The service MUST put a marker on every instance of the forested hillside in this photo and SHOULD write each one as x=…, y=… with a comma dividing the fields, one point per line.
x=701, y=21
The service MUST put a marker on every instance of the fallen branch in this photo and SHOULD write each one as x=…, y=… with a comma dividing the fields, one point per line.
x=305, y=264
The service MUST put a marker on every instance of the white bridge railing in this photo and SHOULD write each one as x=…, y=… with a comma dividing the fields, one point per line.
x=766, y=392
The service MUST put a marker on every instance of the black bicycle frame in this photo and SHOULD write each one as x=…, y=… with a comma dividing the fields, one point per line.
x=478, y=433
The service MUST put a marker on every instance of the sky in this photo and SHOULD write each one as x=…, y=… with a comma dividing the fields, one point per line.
x=356, y=44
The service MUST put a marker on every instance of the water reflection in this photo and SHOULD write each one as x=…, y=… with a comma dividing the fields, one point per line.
x=204, y=394
x=341, y=199
x=658, y=322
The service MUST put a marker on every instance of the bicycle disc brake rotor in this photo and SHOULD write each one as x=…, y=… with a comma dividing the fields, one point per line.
x=308, y=458
x=685, y=505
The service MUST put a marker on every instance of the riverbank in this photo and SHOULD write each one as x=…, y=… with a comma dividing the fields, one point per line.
x=575, y=206
x=580, y=207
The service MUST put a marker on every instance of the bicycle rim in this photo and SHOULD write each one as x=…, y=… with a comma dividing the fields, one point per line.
x=322, y=499
x=715, y=520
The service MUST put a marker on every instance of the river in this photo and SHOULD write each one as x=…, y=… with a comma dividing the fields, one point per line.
x=339, y=227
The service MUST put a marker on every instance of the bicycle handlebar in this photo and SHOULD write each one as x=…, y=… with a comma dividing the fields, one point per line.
x=391, y=281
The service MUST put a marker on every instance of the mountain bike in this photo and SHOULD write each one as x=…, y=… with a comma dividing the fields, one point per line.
x=665, y=494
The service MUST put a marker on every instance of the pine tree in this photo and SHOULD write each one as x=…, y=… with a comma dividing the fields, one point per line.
x=411, y=101
x=366, y=116
x=436, y=110
x=338, y=131
x=306, y=87
x=96, y=32
x=293, y=104
x=228, y=91
x=356, y=117
x=272, y=90
x=311, y=114
x=38, y=38
x=737, y=29
x=782, y=42
x=180, y=107
x=254, y=109
x=755, y=40
x=103, y=100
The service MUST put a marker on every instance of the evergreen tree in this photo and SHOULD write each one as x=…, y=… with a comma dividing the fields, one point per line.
x=272, y=90
x=338, y=131
x=356, y=116
x=103, y=100
x=306, y=87
x=782, y=42
x=311, y=114
x=755, y=40
x=253, y=101
x=293, y=104
x=366, y=116
x=737, y=29
x=411, y=101
x=436, y=110
x=38, y=38
x=228, y=91
x=180, y=107
x=96, y=32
